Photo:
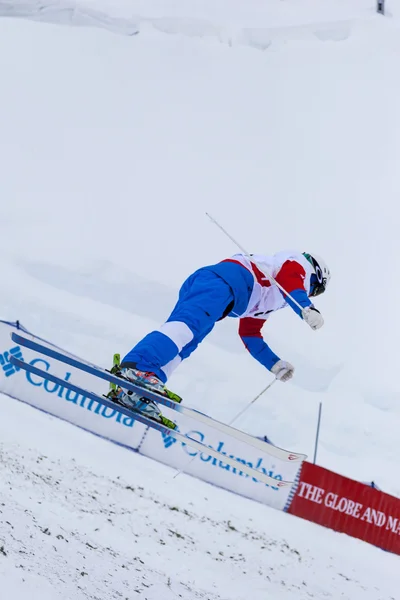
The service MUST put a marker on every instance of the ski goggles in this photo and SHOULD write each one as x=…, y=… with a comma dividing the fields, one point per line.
x=317, y=280
x=317, y=287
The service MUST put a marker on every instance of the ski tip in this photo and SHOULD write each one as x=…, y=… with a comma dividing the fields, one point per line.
x=293, y=457
x=284, y=484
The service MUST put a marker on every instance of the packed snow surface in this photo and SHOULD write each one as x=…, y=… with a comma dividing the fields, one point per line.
x=82, y=518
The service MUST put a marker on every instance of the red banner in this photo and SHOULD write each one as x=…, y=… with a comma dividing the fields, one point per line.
x=348, y=506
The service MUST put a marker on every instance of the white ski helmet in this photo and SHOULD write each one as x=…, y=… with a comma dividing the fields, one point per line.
x=321, y=276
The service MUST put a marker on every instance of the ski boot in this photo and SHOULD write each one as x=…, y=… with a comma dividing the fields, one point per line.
x=138, y=403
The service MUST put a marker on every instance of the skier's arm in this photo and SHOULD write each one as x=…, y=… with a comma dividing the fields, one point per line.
x=291, y=277
x=250, y=334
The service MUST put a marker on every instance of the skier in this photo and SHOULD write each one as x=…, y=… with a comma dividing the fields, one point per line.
x=235, y=287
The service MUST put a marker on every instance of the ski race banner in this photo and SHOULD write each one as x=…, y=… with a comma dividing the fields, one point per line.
x=318, y=495
x=90, y=415
x=57, y=400
x=348, y=506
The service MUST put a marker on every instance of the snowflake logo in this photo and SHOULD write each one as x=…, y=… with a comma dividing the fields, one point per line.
x=8, y=368
x=168, y=439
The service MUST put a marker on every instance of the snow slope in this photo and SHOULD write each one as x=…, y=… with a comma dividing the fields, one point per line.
x=112, y=148
x=81, y=518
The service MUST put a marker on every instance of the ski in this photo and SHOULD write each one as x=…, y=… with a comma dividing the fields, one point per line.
x=184, y=439
x=68, y=359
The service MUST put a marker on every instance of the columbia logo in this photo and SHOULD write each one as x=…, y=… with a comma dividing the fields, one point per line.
x=8, y=368
x=168, y=440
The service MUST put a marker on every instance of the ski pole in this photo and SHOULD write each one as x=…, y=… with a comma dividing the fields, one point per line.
x=230, y=423
x=251, y=259
x=252, y=402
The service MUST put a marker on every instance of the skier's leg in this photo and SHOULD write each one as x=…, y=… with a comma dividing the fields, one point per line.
x=202, y=301
x=186, y=351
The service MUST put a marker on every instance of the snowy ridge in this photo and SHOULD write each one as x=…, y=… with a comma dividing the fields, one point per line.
x=69, y=12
